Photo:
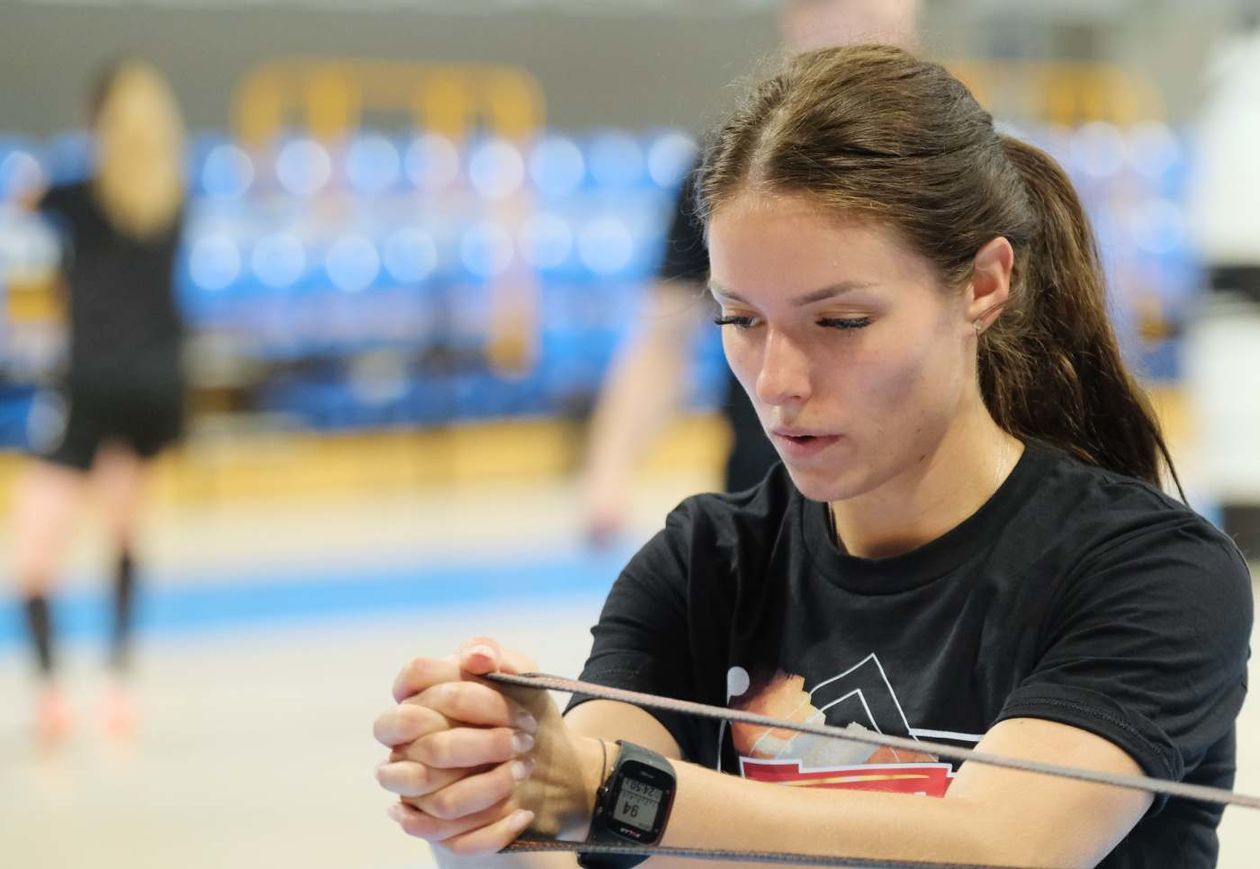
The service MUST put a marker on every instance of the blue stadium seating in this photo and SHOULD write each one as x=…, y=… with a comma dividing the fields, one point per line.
x=322, y=251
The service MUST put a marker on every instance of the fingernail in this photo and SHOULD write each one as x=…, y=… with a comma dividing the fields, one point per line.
x=526, y=722
x=522, y=742
x=521, y=819
x=395, y=813
x=481, y=650
x=521, y=770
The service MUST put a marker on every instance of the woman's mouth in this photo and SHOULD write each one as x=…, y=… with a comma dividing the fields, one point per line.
x=801, y=446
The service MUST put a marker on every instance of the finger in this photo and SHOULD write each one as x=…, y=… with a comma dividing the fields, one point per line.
x=475, y=703
x=469, y=796
x=422, y=673
x=398, y=755
x=410, y=779
x=464, y=747
x=481, y=655
x=407, y=723
x=491, y=839
x=424, y=826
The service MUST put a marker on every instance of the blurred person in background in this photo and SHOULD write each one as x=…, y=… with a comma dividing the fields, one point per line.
x=1224, y=340
x=1227, y=174
x=118, y=400
x=645, y=387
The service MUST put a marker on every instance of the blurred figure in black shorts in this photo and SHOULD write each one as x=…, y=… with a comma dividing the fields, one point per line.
x=645, y=386
x=118, y=400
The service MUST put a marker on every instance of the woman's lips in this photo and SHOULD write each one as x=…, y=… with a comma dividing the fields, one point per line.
x=801, y=446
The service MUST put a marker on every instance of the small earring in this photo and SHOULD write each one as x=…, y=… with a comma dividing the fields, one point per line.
x=979, y=324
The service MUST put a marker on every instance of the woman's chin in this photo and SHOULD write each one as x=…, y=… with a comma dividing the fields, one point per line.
x=819, y=486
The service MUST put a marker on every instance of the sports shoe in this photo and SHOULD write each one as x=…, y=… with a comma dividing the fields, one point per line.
x=119, y=712
x=52, y=717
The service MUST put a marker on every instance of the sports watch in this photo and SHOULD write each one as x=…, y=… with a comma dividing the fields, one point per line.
x=631, y=807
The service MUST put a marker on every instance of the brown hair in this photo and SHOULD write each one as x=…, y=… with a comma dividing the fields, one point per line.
x=879, y=134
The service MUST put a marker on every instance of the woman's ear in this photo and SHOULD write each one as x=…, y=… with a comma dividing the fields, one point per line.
x=990, y=286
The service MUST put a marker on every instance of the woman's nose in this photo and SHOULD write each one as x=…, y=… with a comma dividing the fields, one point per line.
x=784, y=375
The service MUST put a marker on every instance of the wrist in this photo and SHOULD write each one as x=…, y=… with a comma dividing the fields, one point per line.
x=597, y=757
x=632, y=806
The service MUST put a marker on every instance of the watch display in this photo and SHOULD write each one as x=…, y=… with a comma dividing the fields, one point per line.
x=638, y=804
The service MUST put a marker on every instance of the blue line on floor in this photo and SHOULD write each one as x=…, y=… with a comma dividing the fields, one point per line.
x=241, y=600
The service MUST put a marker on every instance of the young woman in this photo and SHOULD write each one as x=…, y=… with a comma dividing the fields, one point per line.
x=966, y=540
x=119, y=400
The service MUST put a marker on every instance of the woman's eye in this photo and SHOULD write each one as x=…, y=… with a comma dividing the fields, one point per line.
x=738, y=322
x=845, y=322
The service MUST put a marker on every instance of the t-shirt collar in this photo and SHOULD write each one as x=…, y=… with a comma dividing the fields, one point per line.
x=931, y=561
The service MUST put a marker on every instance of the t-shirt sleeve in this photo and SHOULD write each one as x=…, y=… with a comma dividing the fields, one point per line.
x=57, y=207
x=1147, y=647
x=686, y=254
x=641, y=642
x=56, y=202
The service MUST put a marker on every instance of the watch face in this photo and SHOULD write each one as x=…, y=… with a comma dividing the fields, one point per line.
x=643, y=795
x=638, y=804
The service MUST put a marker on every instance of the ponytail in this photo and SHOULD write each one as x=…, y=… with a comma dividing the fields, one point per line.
x=1050, y=368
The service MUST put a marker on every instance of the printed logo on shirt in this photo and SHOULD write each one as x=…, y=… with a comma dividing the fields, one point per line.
x=860, y=699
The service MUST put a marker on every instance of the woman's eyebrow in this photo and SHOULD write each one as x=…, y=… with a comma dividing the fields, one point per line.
x=807, y=299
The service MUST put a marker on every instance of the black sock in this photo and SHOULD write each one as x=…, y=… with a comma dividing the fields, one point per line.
x=124, y=605
x=39, y=624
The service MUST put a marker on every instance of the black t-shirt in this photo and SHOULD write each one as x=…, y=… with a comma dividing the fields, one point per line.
x=124, y=321
x=687, y=262
x=1075, y=595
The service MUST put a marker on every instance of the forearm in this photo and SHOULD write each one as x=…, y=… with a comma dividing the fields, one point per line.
x=717, y=811
x=644, y=389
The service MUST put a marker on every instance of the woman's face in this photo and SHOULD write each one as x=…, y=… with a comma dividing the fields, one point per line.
x=138, y=119
x=855, y=359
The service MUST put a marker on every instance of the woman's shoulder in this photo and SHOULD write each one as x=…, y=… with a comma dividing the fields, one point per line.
x=708, y=535
x=65, y=200
x=1094, y=490
x=1108, y=517
x=760, y=510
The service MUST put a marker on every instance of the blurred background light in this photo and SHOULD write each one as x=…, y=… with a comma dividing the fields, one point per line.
x=352, y=263
x=303, y=167
x=410, y=255
x=215, y=261
x=373, y=164
x=486, y=249
x=278, y=260
x=432, y=162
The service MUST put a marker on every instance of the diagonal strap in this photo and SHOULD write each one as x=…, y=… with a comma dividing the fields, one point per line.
x=1200, y=793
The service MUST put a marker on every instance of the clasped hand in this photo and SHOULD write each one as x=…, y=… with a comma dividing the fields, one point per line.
x=474, y=763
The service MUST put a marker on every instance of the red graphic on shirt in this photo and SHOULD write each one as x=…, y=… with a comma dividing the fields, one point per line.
x=926, y=779
x=860, y=700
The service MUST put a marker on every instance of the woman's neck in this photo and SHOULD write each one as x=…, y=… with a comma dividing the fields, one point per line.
x=930, y=498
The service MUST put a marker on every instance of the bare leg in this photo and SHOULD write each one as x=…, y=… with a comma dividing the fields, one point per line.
x=47, y=499
x=119, y=477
